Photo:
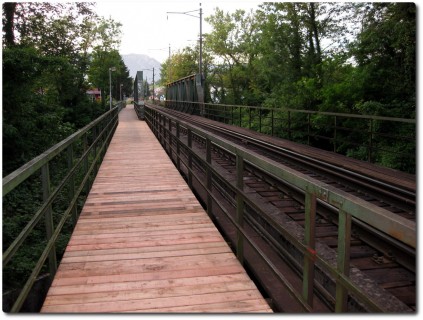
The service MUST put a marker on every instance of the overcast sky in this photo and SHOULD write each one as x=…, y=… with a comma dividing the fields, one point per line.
x=148, y=29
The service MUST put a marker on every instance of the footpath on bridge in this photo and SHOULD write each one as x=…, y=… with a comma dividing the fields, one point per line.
x=143, y=243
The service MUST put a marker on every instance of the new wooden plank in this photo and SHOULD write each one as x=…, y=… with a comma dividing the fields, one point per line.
x=150, y=293
x=138, y=305
x=135, y=216
x=152, y=284
x=222, y=307
x=106, y=232
x=107, y=237
x=148, y=242
x=147, y=250
x=143, y=242
x=97, y=268
x=142, y=224
x=155, y=254
x=232, y=268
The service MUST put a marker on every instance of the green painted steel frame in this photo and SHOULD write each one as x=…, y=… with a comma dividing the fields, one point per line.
x=102, y=129
x=348, y=205
x=185, y=94
x=138, y=86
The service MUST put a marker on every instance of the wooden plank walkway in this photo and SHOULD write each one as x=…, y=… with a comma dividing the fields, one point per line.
x=143, y=243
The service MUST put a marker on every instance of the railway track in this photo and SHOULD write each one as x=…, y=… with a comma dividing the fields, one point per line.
x=387, y=262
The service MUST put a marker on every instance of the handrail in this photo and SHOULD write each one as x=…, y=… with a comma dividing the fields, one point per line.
x=348, y=206
x=101, y=130
x=15, y=178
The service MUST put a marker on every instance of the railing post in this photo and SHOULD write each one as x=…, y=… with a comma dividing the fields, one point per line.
x=239, y=207
x=189, y=158
x=45, y=179
x=308, y=127
x=273, y=119
x=249, y=118
x=369, y=157
x=178, y=146
x=94, y=137
x=310, y=242
x=289, y=125
x=156, y=129
x=260, y=120
x=74, y=212
x=343, y=259
x=170, y=136
x=163, y=130
x=209, y=176
x=335, y=135
x=85, y=143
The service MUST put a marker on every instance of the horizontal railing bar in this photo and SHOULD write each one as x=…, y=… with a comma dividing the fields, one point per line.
x=107, y=123
x=346, y=115
x=398, y=227
x=15, y=178
x=294, y=241
x=291, y=291
x=50, y=244
x=11, y=250
x=345, y=281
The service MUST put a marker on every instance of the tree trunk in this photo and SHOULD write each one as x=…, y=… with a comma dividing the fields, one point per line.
x=313, y=25
x=9, y=9
x=296, y=43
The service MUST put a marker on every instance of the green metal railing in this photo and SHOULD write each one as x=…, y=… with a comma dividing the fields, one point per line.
x=83, y=152
x=168, y=130
x=365, y=137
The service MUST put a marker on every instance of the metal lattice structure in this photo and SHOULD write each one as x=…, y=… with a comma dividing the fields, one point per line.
x=186, y=94
x=138, y=87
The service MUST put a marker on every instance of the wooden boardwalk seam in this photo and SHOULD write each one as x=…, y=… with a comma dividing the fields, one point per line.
x=143, y=243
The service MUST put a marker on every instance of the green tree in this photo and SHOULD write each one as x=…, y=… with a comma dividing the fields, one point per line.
x=385, y=51
x=105, y=55
x=46, y=56
x=233, y=43
x=180, y=64
x=99, y=74
x=32, y=114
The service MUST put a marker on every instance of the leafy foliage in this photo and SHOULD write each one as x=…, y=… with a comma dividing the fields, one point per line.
x=49, y=52
x=334, y=57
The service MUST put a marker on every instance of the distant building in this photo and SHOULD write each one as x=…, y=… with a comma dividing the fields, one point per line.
x=94, y=94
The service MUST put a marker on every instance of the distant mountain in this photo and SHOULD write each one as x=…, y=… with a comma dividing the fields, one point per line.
x=138, y=62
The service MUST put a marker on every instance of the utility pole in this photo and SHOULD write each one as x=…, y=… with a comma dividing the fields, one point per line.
x=110, y=84
x=200, y=64
x=188, y=13
x=153, y=79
